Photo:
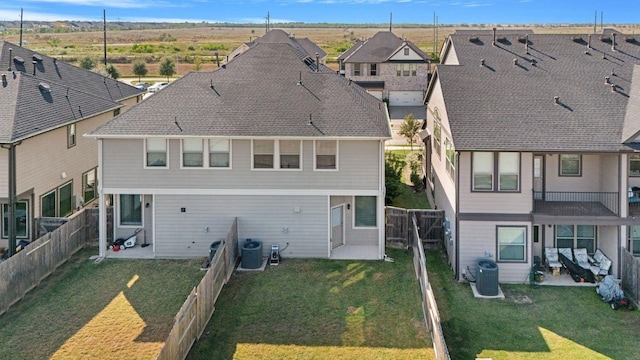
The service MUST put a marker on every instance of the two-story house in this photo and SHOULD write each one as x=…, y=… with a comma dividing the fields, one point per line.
x=388, y=67
x=47, y=169
x=280, y=36
x=292, y=150
x=531, y=143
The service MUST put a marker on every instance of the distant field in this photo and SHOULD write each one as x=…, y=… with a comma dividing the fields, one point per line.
x=184, y=45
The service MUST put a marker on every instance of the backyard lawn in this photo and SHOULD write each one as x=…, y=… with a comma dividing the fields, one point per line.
x=118, y=309
x=320, y=309
x=544, y=322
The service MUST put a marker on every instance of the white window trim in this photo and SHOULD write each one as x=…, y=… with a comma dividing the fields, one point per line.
x=315, y=168
x=276, y=156
x=353, y=212
x=144, y=156
x=28, y=222
x=230, y=155
x=119, y=222
x=205, y=155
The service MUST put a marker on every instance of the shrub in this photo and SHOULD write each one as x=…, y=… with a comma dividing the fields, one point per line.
x=416, y=180
x=392, y=176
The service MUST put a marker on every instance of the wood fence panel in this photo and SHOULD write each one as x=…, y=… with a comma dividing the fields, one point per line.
x=397, y=228
x=631, y=275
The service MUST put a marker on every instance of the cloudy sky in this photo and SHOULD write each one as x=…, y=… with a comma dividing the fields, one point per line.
x=329, y=11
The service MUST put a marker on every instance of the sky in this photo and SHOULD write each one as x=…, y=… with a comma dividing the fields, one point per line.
x=330, y=11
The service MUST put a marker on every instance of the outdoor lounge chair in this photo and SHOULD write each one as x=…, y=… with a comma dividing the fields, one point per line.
x=578, y=274
x=582, y=258
x=566, y=252
x=551, y=258
x=600, y=264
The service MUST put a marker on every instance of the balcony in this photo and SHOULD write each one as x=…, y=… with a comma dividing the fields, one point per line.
x=563, y=203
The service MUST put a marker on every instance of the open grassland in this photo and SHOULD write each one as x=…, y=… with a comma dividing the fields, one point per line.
x=185, y=45
x=117, y=309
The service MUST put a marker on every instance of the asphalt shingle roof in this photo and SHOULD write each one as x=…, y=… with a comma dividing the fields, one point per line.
x=67, y=94
x=258, y=94
x=378, y=49
x=508, y=103
x=277, y=36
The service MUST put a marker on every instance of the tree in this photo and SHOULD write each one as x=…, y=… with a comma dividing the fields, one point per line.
x=87, y=63
x=393, y=166
x=409, y=128
x=167, y=68
x=112, y=71
x=140, y=69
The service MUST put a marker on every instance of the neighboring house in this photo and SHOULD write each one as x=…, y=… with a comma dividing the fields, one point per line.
x=389, y=68
x=46, y=105
x=278, y=36
x=294, y=151
x=531, y=142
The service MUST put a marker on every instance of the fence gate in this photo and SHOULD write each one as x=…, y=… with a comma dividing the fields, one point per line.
x=430, y=227
x=397, y=227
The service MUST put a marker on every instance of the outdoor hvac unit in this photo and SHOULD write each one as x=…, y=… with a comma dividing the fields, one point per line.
x=251, y=254
x=487, y=277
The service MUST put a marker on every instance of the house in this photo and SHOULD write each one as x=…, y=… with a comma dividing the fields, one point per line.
x=292, y=150
x=531, y=142
x=280, y=36
x=48, y=169
x=390, y=68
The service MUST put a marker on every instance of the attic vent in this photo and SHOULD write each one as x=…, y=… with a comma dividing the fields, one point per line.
x=308, y=60
x=37, y=57
x=503, y=40
x=44, y=87
x=475, y=39
x=18, y=59
x=578, y=40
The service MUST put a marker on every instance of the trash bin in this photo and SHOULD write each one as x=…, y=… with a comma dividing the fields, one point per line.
x=213, y=248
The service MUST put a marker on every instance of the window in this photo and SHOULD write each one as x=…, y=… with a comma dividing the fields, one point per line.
x=365, y=211
x=48, y=204
x=414, y=69
x=263, y=154
x=570, y=165
x=326, y=154
x=373, y=69
x=192, y=153
x=219, y=153
x=512, y=241
x=634, y=240
x=634, y=165
x=71, y=135
x=576, y=236
x=89, y=186
x=406, y=51
x=341, y=65
x=116, y=112
x=405, y=69
x=21, y=214
x=451, y=158
x=356, y=69
x=130, y=210
x=482, y=171
x=437, y=133
x=508, y=171
x=156, y=152
x=289, y=154
x=398, y=69
x=65, y=199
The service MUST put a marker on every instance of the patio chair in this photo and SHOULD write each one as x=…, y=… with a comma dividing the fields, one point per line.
x=582, y=258
x=566, y=252
x=551, y=258
x=600, y=264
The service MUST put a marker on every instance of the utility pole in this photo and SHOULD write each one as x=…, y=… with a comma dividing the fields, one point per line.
x=104, y=22
x=20, y=27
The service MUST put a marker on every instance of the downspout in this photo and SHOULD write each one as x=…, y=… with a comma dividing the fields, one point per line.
x=12, y=196
x=381, y=201
x=102, y=210
x=456, y=240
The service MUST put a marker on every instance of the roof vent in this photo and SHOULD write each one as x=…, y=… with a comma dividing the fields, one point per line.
x=494, y=37
x=37, y=57
x=589, y=43
x=515, y=62
x=10, y=51
x=481, y=62
x=44, y=87
x=476, y=40
x=556, y=100
x=613, y=42
x=18, y=59
x=34, y=66
x=607, y=80
x=613, y=88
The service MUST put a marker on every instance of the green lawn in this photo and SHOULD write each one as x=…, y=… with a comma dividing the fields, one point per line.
x=117, y=309
x=543, y=322
x=319, y=309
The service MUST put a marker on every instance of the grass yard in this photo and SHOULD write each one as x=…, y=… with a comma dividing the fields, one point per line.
x=118, y=309
x=544, y=322
x=320, y=309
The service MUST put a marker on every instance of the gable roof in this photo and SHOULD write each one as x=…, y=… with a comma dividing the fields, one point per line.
x=508, y=103
x=58, y=94
x=277, y=36
x=379, y=48
x=271, y=90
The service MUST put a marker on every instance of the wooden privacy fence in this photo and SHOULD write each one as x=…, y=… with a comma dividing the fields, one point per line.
x=429, y=305
x=196, y=311
x=399, y=233
x=26, y=269
x=631, y=275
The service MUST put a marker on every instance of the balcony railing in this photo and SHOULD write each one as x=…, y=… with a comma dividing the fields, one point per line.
x=576, y=203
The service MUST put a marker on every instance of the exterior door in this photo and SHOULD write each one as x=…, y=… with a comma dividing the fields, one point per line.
x=337, y=226
x=538, y=176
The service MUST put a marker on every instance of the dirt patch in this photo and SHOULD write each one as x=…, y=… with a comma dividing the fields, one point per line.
x=522, y=299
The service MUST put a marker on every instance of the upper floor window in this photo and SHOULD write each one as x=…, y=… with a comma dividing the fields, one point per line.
x=406, y=51
x=116, y=112
x=634, y=165
x=282, y=154
x=326, y=155
x=356, y=69
x=373, y=69
x=219, y=153
x=437, y=133
x=341, y=65
x=289, y=154
x=263, y=154
x=192, y=153
x=451, y=158
x=414, y=69
x=507, y=171
x=71, y=135
x=156, y=149
x=570, y=165
x=482, y=163
x=406, y=68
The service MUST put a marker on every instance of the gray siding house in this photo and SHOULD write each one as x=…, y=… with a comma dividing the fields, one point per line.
x=532, y=143
x=292, y=150
x=46, y=105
